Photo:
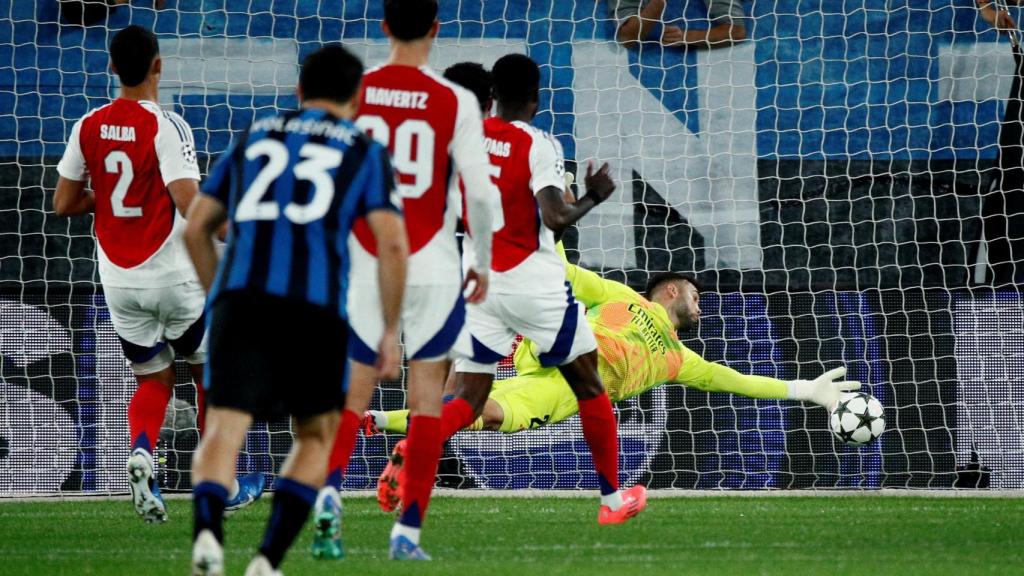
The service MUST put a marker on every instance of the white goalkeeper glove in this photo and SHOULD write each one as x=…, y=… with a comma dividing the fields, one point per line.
x=824, y=390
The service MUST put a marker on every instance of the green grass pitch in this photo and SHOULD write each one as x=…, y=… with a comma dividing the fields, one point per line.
x=862, y=536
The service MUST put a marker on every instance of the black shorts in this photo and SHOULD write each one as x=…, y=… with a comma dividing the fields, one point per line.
x=272, y=357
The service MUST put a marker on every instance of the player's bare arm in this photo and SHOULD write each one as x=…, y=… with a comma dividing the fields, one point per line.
x=393, y=252
x=475, y=286
x=559, y=215
x=72, y=198
x=183, y=191
x=205, y=217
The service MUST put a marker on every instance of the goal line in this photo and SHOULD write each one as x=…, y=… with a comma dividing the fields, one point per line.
x=574, y=494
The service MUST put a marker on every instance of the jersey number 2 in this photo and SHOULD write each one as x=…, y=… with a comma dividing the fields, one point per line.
x=319, y=160
x=118, y=162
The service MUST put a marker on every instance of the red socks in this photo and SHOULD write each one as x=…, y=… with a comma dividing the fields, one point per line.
x=422, y=452
x=146, y=413
x=601, y=432
x=344, y=444
x=456, y=415
x=426, y=437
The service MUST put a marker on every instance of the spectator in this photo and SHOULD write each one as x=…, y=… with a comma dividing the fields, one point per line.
x=89, y=12
x=1002, y=207
x=999, y=19
x=636, y=21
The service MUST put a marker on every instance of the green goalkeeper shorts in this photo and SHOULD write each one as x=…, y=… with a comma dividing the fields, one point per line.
x=537, y=399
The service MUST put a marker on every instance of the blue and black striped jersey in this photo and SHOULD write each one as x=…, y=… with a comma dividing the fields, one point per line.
x=293, y=184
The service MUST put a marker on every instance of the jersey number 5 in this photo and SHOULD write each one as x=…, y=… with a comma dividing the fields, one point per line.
x=412, y=153
x=319, y=161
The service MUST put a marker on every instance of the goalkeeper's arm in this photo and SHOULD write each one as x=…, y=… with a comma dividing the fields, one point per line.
x=591, y=289
x=824, y=390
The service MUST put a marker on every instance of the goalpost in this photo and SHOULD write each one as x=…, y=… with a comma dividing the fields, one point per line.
x=827, y=178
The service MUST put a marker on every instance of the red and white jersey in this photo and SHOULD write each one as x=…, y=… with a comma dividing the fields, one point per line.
x=432, y=127
x=526, y=160
x=129, y=151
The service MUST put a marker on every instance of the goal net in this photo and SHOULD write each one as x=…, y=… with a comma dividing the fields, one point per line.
x=845, y=181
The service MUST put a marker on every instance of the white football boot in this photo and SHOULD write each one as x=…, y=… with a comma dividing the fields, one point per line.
x=145, y=492
x=207, y=555
x=260, y=566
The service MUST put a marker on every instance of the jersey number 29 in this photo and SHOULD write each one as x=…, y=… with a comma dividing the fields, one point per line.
x=412, y=151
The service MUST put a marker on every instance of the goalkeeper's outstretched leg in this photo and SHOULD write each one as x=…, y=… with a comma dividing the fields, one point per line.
x=526, y=402
x=543, y=398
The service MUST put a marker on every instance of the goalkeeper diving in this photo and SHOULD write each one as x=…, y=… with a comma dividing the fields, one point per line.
x=638, y=349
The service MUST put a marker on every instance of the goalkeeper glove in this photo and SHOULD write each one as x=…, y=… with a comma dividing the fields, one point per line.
x=824, y=390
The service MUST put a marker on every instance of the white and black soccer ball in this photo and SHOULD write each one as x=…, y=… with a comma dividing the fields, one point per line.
x=858, y=419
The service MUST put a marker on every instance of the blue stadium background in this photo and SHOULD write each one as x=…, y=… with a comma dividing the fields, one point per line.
x=852, y=79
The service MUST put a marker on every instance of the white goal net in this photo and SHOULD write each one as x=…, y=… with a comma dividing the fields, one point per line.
x=846, y=180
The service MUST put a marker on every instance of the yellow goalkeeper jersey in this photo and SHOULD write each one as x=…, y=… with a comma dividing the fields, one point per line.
x=639, y=349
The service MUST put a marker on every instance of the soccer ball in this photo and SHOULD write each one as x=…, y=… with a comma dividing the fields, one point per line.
x=858, y=419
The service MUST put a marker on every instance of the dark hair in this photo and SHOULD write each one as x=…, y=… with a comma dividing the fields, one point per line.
x=516, y=80
x=132, y=52
x=410, y=19
x=331, y=73
x=473, y=77
x=657, y=280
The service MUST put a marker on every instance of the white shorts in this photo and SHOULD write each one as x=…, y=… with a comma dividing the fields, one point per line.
x=432, y=317
x=556, y=323
x=154, y=323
